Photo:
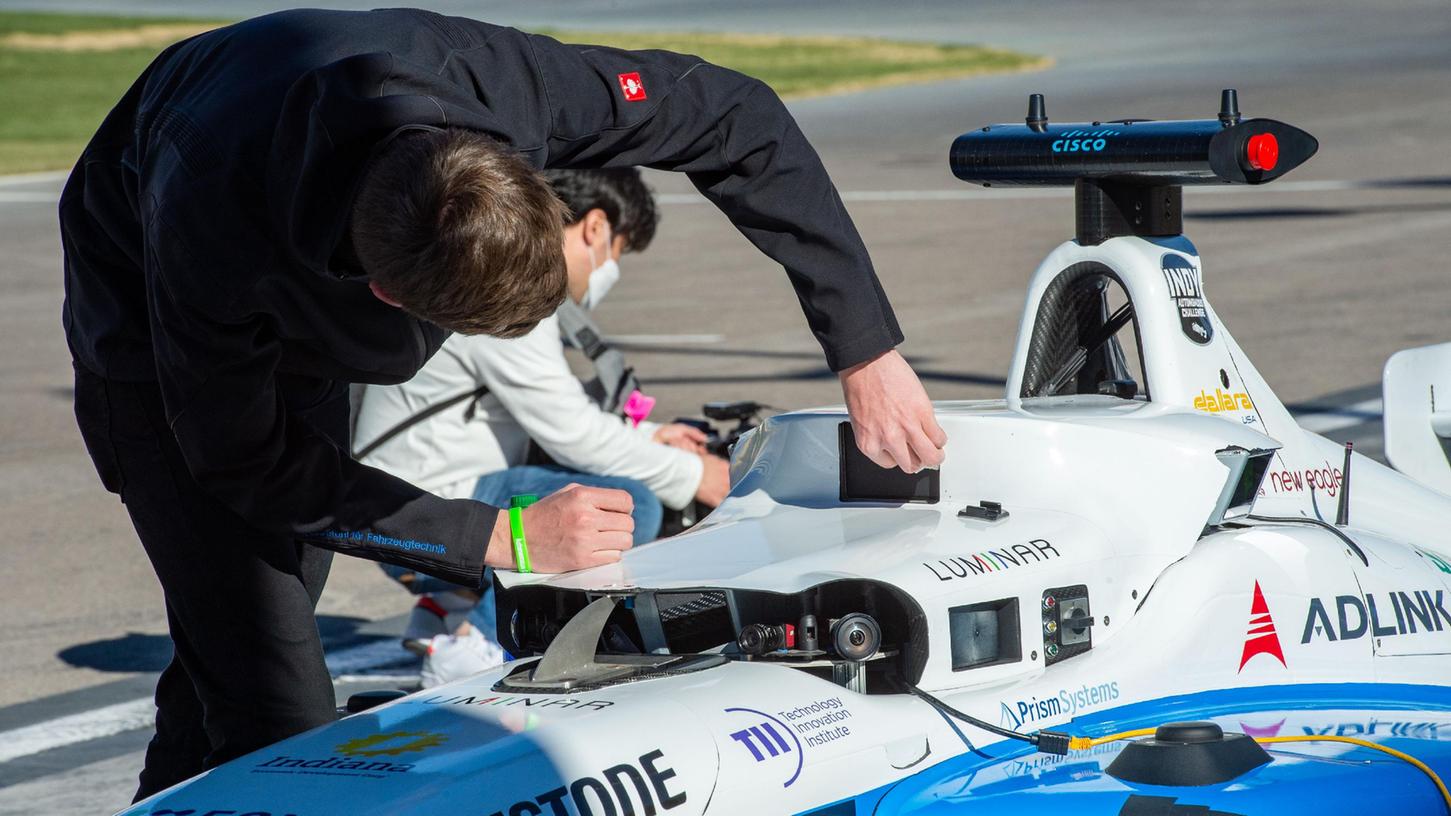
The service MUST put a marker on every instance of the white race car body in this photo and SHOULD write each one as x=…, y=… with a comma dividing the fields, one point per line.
x=1143, y=514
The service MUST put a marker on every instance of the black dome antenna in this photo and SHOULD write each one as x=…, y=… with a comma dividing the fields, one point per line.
x=1229, y=107
x=1037, y=120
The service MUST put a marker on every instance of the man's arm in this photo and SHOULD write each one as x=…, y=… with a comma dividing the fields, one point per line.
x=280, y=474
x=744, y=152
x=531, y=378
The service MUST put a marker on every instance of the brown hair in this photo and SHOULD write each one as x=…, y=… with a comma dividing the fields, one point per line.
x=462, y=232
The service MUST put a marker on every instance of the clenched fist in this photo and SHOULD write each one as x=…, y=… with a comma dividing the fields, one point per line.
x=574, y=528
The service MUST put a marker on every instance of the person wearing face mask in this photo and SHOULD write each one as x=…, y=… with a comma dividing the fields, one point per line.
x=490, y=419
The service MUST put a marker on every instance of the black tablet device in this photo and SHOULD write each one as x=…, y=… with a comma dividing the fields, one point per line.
x=862, y=480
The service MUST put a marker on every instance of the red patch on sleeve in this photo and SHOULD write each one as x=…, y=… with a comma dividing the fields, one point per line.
x=634, y=89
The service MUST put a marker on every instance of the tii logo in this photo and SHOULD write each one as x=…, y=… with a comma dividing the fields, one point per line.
x=759, y=737
x=770, y=739
x=1261, y=637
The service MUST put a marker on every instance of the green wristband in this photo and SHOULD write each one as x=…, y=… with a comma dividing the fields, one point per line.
x=516, y=531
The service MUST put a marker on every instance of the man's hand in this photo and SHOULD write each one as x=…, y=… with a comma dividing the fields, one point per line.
x=891, y=414
x=680, y=435
x=574, y=528
x=715, y=481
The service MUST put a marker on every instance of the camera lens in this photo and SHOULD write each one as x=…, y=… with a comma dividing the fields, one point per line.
x=758, y=638
x=532, y=629
x=855, y=636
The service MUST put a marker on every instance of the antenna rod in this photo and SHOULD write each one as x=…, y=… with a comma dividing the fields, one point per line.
x=1037, y=119
x=1342, y=510
x=1229, y=107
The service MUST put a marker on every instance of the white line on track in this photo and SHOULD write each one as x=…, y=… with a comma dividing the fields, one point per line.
x=29, y=198
x=82, y=727
x=140, y=713
x=34, y=178
x=1333, y=419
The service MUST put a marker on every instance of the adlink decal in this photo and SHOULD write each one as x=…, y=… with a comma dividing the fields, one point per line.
x=615, y=791
x=1186, y=291
x=1413, y=729
x=1422, y=610
x=1067, y=702
x=1017, y=555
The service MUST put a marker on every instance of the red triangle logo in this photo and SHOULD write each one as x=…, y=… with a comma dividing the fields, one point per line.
x=1260, y=636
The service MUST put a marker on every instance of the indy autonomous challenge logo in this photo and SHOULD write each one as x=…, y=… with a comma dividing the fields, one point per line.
x=1186, y=291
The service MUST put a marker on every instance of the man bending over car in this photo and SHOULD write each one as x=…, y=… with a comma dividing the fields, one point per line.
x=308, y=199
x=520, y=395
x=472, y=419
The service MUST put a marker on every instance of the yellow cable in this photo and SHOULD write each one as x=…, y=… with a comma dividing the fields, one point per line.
x=1084, y=743
x=1401, y=755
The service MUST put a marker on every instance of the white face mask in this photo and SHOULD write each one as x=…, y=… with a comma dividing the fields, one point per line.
x=601, y=278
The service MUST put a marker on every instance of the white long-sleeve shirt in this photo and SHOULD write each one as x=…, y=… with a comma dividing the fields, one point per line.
x=532, y=395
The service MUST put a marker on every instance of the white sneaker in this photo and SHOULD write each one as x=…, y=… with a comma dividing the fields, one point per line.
x=433, y=615
x=454, y=657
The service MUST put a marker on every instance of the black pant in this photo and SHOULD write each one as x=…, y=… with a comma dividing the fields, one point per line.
x=247, y=668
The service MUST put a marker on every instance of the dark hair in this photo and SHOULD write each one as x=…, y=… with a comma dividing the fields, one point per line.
x=462, y=232
x=620, y=192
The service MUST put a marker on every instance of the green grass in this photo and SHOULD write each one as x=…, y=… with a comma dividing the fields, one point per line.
x=811, y=66
x=53, y=100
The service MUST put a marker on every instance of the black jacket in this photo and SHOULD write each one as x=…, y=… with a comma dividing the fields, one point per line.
x=202, y=231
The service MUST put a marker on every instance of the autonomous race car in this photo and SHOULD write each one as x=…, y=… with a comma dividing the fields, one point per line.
x=1135, y=586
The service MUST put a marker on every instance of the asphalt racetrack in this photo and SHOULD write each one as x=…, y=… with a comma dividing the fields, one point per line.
x=1320, y=277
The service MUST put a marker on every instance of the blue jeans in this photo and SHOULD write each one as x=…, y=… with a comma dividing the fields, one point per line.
x=541, y=480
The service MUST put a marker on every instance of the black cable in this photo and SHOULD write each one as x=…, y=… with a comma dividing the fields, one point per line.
x=1349, y=542
x=971, y=720
x=1049, y=742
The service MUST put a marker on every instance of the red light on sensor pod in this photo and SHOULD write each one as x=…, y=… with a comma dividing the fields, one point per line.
x=1263, y=151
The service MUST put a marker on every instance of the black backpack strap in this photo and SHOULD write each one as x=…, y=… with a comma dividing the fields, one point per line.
x=614, y=378
x=410, y=421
